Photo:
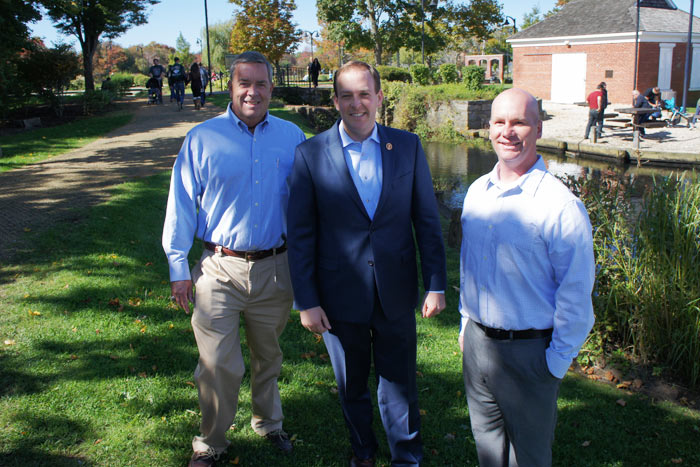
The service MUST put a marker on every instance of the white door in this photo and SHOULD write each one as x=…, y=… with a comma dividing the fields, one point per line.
x=568, y=78
x=665, y=66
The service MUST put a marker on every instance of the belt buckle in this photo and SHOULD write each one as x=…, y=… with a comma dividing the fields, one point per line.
x=219, y=250
x=510, y=335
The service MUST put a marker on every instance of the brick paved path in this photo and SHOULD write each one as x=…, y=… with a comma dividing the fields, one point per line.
x=37, y=196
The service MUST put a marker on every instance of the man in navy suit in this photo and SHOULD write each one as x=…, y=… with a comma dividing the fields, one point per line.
x=358, y=191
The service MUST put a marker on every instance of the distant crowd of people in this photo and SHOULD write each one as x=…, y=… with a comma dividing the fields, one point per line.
x=178, y=77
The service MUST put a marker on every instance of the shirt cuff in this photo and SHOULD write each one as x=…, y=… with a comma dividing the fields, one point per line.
x=557, y=365
x=180, y=271
x=437, y=291
x=463, y=325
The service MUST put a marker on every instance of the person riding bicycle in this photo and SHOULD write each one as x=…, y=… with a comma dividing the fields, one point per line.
x=177, y=75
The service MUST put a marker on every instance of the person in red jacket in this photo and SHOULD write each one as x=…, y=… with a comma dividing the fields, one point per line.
x=595, y=107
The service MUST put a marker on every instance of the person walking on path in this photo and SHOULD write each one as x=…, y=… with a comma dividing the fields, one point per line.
x=314, y=70
x=526, y=277
x=229, y=189
x=157, y=71
x=195, y=79
x=177, y=76
x=595, y=112
x=204, y=76
x=358, y=191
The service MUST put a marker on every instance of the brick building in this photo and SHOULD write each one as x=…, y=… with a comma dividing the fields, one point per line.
x=565, y=56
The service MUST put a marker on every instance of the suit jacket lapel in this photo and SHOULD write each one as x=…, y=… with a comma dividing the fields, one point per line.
x=388, y=166
x=334, y=151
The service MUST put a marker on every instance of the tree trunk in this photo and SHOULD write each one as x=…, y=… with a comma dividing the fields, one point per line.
x=374, y=31
x=89, y=47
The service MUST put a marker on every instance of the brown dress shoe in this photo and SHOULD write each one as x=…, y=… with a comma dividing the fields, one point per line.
x=357, y=462
x=280, y=440
x=203, y=459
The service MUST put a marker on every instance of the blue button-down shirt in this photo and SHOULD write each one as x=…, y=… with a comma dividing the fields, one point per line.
x=364, y=161
x=229, y=187
x=527, y=260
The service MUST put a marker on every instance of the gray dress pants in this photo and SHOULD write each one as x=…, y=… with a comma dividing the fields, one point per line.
x=512, y=399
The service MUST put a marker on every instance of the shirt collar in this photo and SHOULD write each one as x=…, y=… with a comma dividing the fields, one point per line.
x=239, y=123
x=346, y=140
x=528, y=182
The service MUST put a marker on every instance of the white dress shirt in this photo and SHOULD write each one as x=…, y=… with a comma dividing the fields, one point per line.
x=527, y=260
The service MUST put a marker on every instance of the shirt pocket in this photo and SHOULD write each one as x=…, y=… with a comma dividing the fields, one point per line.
x=516, y=241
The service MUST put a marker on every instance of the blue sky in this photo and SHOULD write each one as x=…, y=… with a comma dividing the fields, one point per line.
x=170, y=17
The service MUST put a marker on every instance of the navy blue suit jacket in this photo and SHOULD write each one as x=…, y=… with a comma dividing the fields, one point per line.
x=338, y=255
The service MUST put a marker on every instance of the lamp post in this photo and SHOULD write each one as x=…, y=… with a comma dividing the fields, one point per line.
x=432, y=4
x=206, y=23
x=310, y=35
x=689, y=45
x=507, y=23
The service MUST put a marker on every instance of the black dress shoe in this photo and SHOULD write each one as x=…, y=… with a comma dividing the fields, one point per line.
x=357, y=462
x=281, y=440
x=203, y=459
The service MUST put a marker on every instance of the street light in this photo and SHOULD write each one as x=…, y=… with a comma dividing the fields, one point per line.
x=310, y=35
x=432, y=4
x=507, y=23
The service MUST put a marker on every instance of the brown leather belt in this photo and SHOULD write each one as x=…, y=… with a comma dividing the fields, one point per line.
x=247, y=255
x=502, y=334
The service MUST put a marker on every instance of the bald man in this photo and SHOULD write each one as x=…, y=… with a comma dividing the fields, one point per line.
x=527, y=273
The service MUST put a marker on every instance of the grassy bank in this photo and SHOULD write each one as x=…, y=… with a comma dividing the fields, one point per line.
x=96, y=368
x=33, y=146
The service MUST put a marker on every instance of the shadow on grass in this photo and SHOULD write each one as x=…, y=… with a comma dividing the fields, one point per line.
x=119, y=243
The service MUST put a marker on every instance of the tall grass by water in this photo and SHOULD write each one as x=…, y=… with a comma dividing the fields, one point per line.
x=647, y=293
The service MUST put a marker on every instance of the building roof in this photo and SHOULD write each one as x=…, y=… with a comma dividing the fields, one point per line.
x=592, y=17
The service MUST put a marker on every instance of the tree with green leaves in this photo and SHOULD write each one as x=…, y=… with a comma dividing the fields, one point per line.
x=88, y=20
x=265, y=26
x=219, y=44
x=182, y=51
x=48, y=72
x=388, y=25
x=14, y=36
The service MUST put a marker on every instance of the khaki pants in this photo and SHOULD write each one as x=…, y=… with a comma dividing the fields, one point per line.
x=227, y=289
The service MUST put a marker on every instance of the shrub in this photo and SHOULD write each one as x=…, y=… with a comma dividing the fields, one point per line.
x=421, y=74
x=448, y=73
x=121, y=82
x=77, y=84
x=140, y=80
x=96, y=101
x=473, y=76
x=393, y=73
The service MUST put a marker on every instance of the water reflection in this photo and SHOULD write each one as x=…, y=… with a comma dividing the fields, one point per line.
x=455, y=166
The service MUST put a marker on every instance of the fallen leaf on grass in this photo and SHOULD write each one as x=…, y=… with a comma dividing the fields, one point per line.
x=73, y=357
x=154, y=367
x=97, y=441
x=114, y=357
x=171, y=325
x=27, y=229
x=97, y=331
x=143, y=330
x=308, y=355
x=594, y=377
x=149, y=264
x=74, y=329
x=419, y=374
x=324, y=357
x=143, y=374
x=9, y=342
x=683, y=401
x=318, y=337
x=459, y=393
x=33, y=313
x=585, y=444
x=293, y=438
x=589, y=371
x=637, y=383
x=677, y=460
x=621, y=402
x=334, y=390
x=423, y=412
x=67, y=286
x=190, y=383
x=434, y=452
x=235, y=461
x=135, y=301
x=624, y=385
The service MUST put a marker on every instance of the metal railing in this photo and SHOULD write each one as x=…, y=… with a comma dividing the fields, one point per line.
x=291, y=76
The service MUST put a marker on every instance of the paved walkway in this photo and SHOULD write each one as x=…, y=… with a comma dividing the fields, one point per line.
x=39, y=195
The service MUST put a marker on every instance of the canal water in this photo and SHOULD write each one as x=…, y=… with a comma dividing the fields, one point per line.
x=455, y=166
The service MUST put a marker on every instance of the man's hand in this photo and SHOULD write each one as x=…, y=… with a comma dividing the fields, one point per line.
x=434, y=303
x=315, y=320
x=182, y=294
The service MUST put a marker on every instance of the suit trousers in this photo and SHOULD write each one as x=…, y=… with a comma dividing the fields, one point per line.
x=512, y=399
x=228, y=289
x=392, y=345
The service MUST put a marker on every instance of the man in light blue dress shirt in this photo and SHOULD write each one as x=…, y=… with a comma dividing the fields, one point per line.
x=229, y=189
x=527, y=272
x=358, y=192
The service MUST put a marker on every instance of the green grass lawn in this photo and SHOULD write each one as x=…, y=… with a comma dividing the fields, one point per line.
x=37, y=145
x=96, y=368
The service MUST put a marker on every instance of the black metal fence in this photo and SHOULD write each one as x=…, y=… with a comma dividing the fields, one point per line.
x=291, y=76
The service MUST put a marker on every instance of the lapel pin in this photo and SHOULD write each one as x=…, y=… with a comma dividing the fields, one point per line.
x=389, y=146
